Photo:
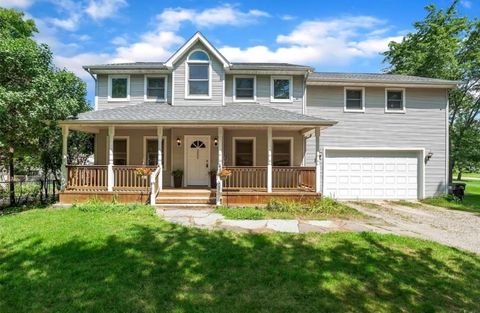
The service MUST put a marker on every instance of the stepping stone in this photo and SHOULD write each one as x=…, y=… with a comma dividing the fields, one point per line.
x=287, y=226
x=181, y=220
x=245, y=224
x=324, y=224
x=307, y=228
x=185, y=213
x=208, y=220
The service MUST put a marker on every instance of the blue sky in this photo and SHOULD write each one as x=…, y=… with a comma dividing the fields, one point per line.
x=335, y=35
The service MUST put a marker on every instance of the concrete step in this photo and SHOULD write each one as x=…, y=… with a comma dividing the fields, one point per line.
x=186, y=193
x=185, y=200
x=176, y=206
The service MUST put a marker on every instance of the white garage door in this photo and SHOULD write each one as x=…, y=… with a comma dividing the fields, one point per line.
x=371, y=174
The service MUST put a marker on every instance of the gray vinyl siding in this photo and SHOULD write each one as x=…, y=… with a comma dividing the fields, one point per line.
x=422, y=126
x=217, y=77
x=264, y=90
x=137, y=91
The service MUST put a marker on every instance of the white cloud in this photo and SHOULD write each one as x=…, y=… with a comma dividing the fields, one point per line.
x=75, y=64
x=21, y=4
x=171, y=19
x=101, y=9
x=70, y=23
x=466, y=4
x=334, y=41
x=287, y=17
x=119, y=41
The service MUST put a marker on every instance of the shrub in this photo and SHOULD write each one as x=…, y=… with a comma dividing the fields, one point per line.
x=94, y=205
x=324, y=206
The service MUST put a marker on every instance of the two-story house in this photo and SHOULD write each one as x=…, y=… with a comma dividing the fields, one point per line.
x=277, y=129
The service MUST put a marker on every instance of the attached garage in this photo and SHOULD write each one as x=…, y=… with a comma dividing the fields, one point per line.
x=373, y=173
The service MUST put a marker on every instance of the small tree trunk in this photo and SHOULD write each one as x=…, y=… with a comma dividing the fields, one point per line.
x=11, y=176
x=459, y=175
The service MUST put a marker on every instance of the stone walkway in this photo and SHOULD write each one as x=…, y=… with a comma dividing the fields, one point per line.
x=207, y=218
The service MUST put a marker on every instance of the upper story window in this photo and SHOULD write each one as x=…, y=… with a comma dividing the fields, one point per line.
x=281, y=89
x=118, y=87
x=155, y=88
x=198, y=75
x=244, y=88
x=395, y=100
x=354, y=99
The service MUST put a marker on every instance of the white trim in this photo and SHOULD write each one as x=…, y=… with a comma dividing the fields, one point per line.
x=362, y=110
x=447, y=143
x=223, y=89
x=144, y=157
x=208, y=142
x=421, y=162
x=197, y=37
x=173, y=88
x=187, y=74
x=290, y=78
x=254, y=139
x=404, y=96
x=379, y=84
x=291, y=139
x=235, y=88
x=145, y=87
x=110, y=99
x=128, y=147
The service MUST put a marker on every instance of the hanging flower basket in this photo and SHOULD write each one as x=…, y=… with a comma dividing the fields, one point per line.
x=224, y=174
x=143, y=171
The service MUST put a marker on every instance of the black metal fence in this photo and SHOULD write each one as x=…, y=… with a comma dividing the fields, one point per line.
x=29, y=190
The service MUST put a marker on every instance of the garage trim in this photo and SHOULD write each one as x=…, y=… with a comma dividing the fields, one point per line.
x=421, y=151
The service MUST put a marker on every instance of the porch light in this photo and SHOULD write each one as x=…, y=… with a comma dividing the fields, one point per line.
x=215, y=141
x=428, y=156
x=179, y=142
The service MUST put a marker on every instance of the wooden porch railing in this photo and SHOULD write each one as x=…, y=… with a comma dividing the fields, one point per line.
x=283, y=177
x=126, y=179
x=87, y=177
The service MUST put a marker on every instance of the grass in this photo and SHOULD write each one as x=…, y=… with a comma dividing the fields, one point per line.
x=471, y=203
x=410, y=204
x=368, y=205
x=128, y=260
x=281, y=209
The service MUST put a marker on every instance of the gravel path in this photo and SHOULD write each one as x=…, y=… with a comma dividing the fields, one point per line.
x=454, y=228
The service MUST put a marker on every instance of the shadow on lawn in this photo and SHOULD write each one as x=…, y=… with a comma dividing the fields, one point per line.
x=185, y=270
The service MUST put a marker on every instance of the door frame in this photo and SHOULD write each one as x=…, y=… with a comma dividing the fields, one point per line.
x=420, y=154
x=186, y=139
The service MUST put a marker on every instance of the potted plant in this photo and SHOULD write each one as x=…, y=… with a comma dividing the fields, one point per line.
x=213, y=177
x=177, y=178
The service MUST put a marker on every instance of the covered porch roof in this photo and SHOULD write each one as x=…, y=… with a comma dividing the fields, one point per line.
x=238, y=115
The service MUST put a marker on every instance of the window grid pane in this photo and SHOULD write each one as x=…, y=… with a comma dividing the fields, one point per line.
x=281, y=89
x=244, y=152
x=395, y=100
x=152, y=152
x=244, y=88
x=119, y=87
x=156, y=88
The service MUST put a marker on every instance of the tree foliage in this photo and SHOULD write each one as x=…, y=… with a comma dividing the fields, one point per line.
x=446, y=45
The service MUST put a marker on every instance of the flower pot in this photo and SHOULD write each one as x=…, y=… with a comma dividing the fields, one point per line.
x=213, y=181
x=177, y=181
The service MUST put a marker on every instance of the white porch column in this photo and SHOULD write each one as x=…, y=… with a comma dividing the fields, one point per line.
x=219, y=166
x=65, y=130
x=317, y=159
x=160, y=160
x=269, y=159
x=110, y=174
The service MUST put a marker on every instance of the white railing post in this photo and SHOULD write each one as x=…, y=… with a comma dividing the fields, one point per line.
x=317, y=159
x=219, y=166
x=65, y=131
x=110, y=174
x=269, y=159
x=160, y=159
x=153, y=190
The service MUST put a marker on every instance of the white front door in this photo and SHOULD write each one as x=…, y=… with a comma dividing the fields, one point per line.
x=197, y=152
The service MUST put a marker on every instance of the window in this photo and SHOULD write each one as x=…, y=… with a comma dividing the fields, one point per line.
x=395, y=100
x=282, y=152
x=198, y=68
x=244, y=88
x=155, y=88
x=151, y=151
x=120, y=151
x=281, y=89
x=354, y=100
x=244, y=151
x=119, y=88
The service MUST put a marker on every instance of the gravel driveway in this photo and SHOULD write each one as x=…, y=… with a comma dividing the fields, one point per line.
x=454, y=228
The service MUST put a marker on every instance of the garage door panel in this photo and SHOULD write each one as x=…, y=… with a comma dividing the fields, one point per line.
x=371, y=174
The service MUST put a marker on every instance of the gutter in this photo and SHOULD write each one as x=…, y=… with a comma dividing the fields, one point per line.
x=96, y=87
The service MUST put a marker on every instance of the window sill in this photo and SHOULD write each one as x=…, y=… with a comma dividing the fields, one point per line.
x=198, y=97
x=118, y=99
x=353, y=111
x=395, y=112
x=157, y=101
x=245, y=100
x=281, y=100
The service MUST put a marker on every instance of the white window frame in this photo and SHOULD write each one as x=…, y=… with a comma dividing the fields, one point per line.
x=404, y=97
x=110, y=99
x=235, y=88
x=234, y=139
x=187, y=74
x=145, y=89
x=345, y=109
x=144, y=158
x=291, y=139
x=113, y=150
x=272, y=95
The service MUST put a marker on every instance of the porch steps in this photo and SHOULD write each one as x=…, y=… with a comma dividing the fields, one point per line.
x=186, y=197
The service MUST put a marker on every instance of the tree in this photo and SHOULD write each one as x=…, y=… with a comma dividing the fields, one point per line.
x=446, y=45
x=34, y=94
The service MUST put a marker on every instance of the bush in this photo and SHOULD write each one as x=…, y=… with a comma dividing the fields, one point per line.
x=94, y=205
x=323, y=206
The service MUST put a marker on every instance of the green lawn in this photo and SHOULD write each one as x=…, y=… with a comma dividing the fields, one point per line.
x=471, y=202
x=69, y=260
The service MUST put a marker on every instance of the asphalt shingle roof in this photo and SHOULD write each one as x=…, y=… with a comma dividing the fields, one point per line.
x=127, y=66
x=269, y=66
x=229, y=114
x=375, y=77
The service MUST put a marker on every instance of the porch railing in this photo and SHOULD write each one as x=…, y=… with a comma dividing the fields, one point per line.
x=126, y=178
x=255, y=177
x=87, y=177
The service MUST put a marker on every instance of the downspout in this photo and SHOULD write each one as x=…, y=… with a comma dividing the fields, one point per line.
x=447, y=143
x=96, y=89
x=304, y=102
